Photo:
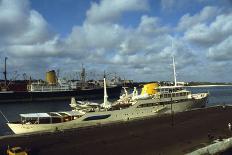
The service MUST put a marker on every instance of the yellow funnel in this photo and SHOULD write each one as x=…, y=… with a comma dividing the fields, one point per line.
x=149, y=88
x=51, y=77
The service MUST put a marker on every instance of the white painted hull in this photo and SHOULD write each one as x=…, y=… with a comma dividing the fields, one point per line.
x=133, y=112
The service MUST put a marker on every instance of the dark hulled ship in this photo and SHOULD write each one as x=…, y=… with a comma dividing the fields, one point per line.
x=54, y=89
x=81, y=94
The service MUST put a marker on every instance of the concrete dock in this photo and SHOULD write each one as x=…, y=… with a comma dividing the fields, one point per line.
x=180, y=133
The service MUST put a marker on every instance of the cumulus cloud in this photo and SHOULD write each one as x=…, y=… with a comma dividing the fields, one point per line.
x=208, y=34
x=46, y=49
x=101, y=42
x=95, y=36
x=139, y=49
x=151, y=26
x=149, y=36
x=206, y=15
x=108, y=11
x=20, y=25
x=13, y=18
x=38, y=30
x=25, y=36
x=221, y=51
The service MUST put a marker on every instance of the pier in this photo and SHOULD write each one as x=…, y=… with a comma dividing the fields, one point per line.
x=179, y=133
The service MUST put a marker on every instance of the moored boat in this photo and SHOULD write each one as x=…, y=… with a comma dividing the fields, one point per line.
x=128, y=107
x=83, y=94
x=54, y=89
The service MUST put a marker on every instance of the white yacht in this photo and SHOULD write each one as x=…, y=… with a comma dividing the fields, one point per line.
x=153, y=100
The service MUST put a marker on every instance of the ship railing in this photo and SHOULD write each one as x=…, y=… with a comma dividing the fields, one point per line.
x=49, y=88
x=49, y=118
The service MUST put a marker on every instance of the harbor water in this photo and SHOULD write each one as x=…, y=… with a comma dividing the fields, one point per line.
x=219, y=95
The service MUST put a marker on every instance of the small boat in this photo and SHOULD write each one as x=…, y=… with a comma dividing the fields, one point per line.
x=153, y=100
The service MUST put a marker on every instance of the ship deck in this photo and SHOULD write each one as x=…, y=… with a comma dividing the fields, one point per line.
x=170, y=134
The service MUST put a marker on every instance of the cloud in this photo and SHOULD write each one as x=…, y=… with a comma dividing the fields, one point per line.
x=38, y=30
x=208, y=34
x=151, y=26
x=149, y=36
x=95, y=36
x=46, y=49
x=26, y=37
x=139, y=49
x=167, y=4
x=109, y=11
x=221, y=51
x=206, y=15
x=102, y=42
x=20, y=25
x=113, y=37
x=13, y=18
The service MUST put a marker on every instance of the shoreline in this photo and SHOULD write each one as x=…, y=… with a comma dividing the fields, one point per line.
x=210, y=86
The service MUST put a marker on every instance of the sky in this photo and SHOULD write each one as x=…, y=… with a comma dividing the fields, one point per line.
x=134, y=39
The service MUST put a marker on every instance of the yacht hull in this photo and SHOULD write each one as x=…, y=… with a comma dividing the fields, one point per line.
x=103, y=117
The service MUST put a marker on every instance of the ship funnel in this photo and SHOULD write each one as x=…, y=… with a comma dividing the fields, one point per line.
x=73, y=103
x=150, y=88
x=73, y=100
x=51, y=77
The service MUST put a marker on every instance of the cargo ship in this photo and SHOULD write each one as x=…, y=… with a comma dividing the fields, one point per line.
x=54, y=89
x=82, y=94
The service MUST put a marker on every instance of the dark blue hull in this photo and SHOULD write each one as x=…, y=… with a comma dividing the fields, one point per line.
x=82, y=94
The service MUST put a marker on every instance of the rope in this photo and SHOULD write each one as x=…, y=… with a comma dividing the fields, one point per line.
x=4, y=117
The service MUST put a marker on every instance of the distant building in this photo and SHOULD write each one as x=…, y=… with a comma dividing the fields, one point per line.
x=182, y=83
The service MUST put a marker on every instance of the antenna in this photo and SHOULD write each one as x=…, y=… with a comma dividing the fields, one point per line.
x=58, y=73
x=174, y=66
x=174, y=69
x=83, y=75
x=4, y=116
x=5, y=72
x=106, y=102
x=105, y=92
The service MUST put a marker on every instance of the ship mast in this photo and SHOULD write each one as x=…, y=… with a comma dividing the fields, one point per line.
x=174, y=70
x=5, y=73
x=105, y=92
x=106, y=104
x=174, y=67
x=82, y=76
